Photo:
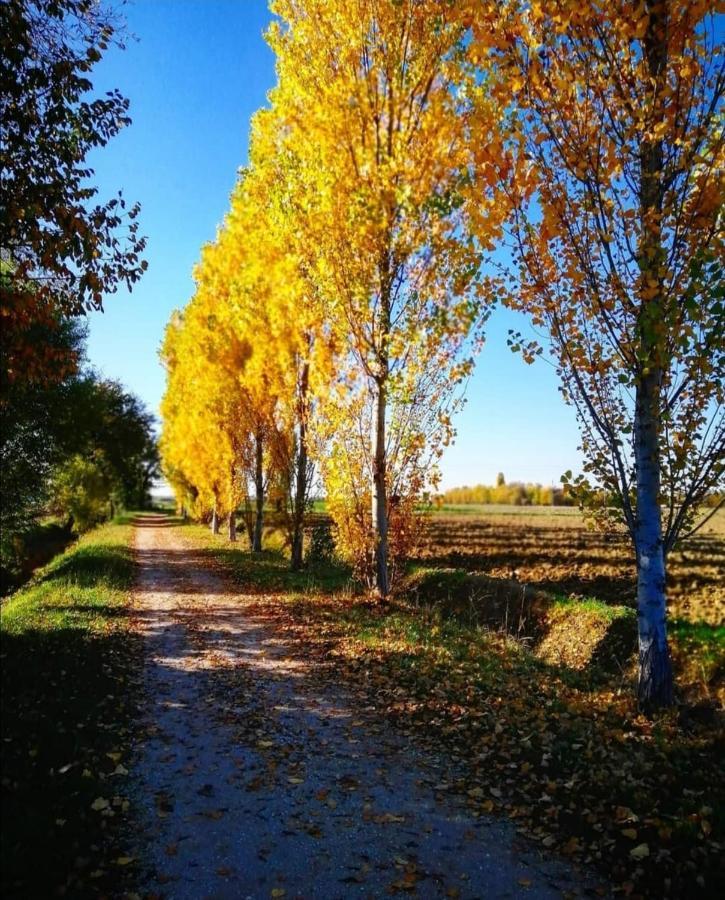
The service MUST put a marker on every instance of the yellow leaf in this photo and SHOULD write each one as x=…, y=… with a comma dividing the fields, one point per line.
x=641, y=851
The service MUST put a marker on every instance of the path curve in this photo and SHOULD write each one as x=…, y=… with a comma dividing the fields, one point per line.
x=257, y=778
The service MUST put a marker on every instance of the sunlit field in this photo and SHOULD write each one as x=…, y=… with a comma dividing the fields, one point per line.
x=554, y=550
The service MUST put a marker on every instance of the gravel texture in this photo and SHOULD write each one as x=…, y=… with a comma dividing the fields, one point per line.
x=256, y=775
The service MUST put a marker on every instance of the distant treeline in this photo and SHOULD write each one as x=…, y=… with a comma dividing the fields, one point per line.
x=517, y=493
x=514, y=494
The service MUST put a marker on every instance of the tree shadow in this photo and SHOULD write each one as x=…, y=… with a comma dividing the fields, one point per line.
x=156, y=520
x=67, y=699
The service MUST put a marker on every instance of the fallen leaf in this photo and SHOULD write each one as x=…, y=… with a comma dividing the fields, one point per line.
x=641, y=851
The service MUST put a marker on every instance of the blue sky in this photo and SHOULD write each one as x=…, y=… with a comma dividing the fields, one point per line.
x=195, y=73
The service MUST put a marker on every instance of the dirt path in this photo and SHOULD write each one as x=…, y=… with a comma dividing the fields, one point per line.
x=258, y=778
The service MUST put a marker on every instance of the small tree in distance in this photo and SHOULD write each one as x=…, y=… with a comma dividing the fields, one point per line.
x=615, y=175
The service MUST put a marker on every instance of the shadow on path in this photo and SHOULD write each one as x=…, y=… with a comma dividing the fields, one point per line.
x=258, y=777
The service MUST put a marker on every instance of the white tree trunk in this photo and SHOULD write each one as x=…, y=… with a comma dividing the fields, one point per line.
x=655, y=669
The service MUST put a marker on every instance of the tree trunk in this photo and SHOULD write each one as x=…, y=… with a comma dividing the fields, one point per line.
x=655, y=670
x=300, y=498
x=380, y=498
x=655, y=688
x=259, y=488
x=214, y=521
x=298, y=513
x=232, y=526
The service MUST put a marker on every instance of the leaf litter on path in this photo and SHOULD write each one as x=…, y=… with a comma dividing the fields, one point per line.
x=241, y=718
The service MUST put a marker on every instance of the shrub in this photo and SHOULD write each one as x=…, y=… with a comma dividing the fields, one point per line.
x=322, y=544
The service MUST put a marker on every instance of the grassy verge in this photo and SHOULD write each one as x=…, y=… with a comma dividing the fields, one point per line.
x=553, y=742
x=68, y=659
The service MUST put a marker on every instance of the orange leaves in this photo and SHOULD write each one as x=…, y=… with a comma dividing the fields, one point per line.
x=612, y=164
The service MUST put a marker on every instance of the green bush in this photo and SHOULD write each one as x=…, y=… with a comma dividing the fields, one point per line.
x=322, y=545
x=81, y=491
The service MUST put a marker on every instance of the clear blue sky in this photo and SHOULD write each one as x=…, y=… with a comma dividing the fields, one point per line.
x=196, y=72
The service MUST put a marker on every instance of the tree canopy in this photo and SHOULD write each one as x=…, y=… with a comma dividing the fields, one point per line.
x=63, y=247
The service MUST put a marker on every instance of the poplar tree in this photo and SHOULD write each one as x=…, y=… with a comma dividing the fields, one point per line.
x=614, y=170
x=367, y=97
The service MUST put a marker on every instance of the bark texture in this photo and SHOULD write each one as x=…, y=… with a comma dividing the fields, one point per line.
x=380, y=498
x=655, y=687
x=655, y=670
x=301, y=485
x=259, y=489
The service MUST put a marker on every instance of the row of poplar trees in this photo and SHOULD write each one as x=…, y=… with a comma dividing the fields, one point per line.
x=419, y=161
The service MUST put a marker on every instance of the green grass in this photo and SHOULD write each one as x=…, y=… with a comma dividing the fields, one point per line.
x=68, y=663
x=270, y=570
x=699, y=651
x=608, y=612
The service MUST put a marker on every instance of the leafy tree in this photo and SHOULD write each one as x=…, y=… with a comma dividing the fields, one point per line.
x=244, y=364
x=110, y=421
x=49, y=426
x=80, y=490
x=62, y=249
x=306, y=364
x=37, y=431
x=369, y=111
x=614, y=168
x=212, y=436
